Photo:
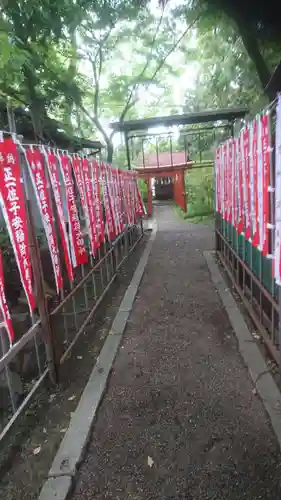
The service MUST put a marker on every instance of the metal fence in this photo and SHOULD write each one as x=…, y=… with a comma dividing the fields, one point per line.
x=193, y=143
x=249, y=270
x=44, y=340
x=25, y=366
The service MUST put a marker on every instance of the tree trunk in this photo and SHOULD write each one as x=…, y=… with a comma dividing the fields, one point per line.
x=71, y=73
x=110, y=149
x=252, y=48
x=37, y=112
x=37, y=107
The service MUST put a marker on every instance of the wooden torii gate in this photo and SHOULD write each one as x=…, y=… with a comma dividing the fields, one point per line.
x=177, y=164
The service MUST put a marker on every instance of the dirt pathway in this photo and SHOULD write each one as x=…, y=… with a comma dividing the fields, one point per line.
x=180, y=419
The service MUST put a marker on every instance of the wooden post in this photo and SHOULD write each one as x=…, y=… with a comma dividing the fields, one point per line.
x=179, y=189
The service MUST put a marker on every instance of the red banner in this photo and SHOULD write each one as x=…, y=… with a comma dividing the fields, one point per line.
x=117, y=200
x=55, y=182
x=252, y=193
x=131, y=198
x=246, y=182
x=141, y=206
x=225, y=183
x=266, y=182
x=112, y=198
x=107, y=205
x=135, y=194
x=255, y=185
x=37, y=172
x=260, y=183
x=78, y=174
x=97, y=203
x=229, y=180
x=87, y=174
x=4, y=306
x=234, y=183
x=77, y=246
x=126, y=197
x=242, y=171
x=222, y=173
x=277, y=249
x=13, y=207
x=217, y=173
x=240, y=221
x=121, y=200
x=226, y=197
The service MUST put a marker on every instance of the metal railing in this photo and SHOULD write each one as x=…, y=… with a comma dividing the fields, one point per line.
x=250, y=272
x=24, y=367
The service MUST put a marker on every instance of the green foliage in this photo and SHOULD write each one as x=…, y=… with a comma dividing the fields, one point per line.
x=250, y=26
x=86, y=62
x=143, y=189
x=39, y=52
x=226, y=76
x=259, y=18
x=124, y=61
x=200, y=192
x=120, y=158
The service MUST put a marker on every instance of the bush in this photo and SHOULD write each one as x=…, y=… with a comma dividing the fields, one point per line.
x=200, y=192
x=143, y=189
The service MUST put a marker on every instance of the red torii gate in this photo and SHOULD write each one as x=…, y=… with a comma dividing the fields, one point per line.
x=174, y=168
x=165, y=165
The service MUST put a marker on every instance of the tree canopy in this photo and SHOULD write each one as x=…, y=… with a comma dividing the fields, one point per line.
x=87, y=62
x=255, y=23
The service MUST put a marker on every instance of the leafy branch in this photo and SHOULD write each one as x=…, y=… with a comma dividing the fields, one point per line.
x=130, y=104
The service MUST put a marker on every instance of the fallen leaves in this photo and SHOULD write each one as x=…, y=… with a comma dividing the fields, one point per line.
x=37, y=450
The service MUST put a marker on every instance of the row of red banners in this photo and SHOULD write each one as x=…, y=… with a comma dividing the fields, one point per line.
x=277, y=250
x=99, y=186
x=242, y=168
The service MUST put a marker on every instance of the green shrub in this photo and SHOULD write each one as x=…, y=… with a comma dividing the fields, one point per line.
x=200, y=192
x=143, y=189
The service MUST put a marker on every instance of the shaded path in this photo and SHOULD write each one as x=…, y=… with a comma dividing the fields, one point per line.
x=179, y=392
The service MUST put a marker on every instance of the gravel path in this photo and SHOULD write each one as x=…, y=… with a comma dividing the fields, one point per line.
x=180, y=419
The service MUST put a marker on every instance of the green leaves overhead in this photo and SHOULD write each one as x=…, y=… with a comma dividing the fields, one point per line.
x=87, y=62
